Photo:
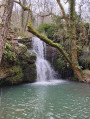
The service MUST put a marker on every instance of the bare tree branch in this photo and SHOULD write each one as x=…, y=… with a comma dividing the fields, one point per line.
x=63, y=12
x=25, y=8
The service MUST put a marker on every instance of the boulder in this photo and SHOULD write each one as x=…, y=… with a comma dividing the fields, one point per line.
x=26, y=41
x=10, y=75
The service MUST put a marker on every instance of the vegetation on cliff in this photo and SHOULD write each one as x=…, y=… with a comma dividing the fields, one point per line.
x=18, y=65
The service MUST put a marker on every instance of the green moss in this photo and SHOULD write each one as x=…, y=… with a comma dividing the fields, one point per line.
x=84, y=61
x=16, y=75
x=27, y=63
x=89, y=59
x=26, y=41
x=8, y=46
x=25, y=8
x=9, y=56
x=10, y=75
x=33, y=54
x=60, y=65
x=49, y=29
x=30, y=73
x=25, y=37
x=86, y=23
x=22, y=49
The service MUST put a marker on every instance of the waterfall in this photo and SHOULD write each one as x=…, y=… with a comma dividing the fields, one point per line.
x=44, y=70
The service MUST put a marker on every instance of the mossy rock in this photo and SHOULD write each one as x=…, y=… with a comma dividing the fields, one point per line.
x=9, y=57
x=11, y=75
x=27, y=62
x=21, y=49
x=17, y=75
x=26, y=41
x=33, y=57
x=30, y=73
x=18, y=65
x=28, y=57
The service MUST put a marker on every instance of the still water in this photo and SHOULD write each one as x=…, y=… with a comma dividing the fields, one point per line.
x=46, y=100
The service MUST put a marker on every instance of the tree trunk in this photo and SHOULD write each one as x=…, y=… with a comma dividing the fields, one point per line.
x=72, y=33
x=22, y=21
x=23, y=17
x=77, y=73
x=5, y=15
x=74, y=45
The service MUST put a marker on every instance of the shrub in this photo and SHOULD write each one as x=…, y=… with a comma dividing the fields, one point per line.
x=49, y=29
x=8, y=54
x=8, y=46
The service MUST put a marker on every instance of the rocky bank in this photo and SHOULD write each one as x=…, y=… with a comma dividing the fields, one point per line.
x=18, y=62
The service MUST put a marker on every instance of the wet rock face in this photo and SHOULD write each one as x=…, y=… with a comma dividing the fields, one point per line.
x=51, y=54
x=58, y=62
x=30, y=73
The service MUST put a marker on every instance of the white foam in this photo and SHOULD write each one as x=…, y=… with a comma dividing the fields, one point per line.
x=50, y=82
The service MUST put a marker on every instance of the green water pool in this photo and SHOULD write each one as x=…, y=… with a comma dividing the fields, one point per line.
x=51, y=100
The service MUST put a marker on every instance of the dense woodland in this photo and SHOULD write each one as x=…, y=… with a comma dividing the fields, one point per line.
x=64, y=25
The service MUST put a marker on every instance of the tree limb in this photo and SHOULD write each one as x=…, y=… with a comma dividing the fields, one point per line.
x=25, y=8
x=63, y=12
x=45, y=15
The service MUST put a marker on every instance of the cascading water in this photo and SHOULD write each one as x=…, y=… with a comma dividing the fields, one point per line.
x=44, y=70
